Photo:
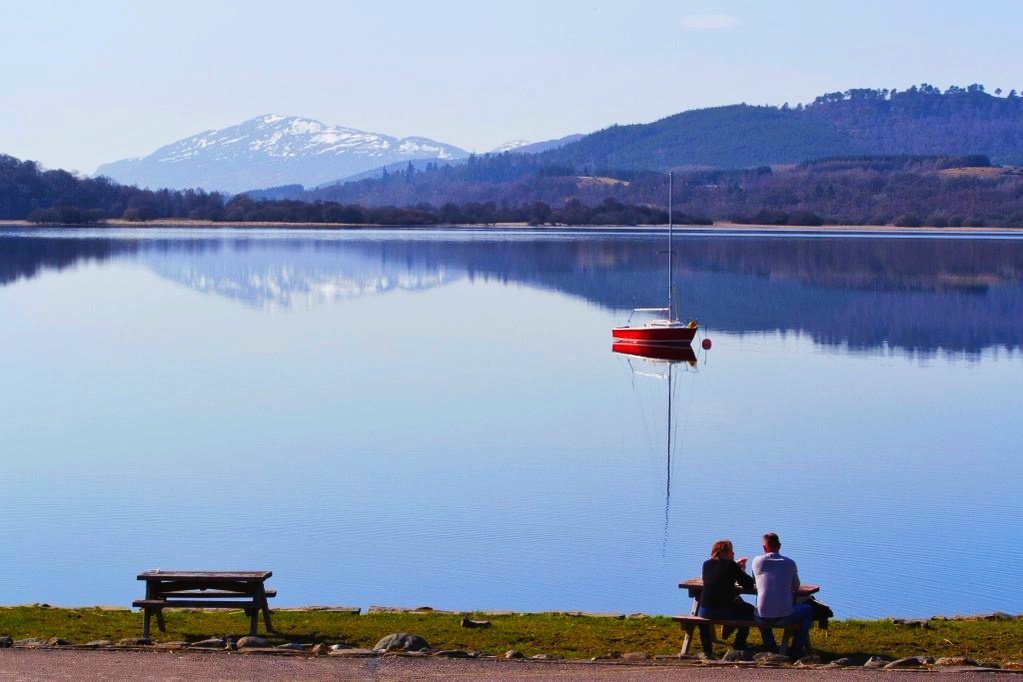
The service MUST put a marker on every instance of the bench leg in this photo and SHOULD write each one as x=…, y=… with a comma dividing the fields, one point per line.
x=145, y=622
x=160, y=623
x=688, y=639
x=253, y=621
x=266, y=619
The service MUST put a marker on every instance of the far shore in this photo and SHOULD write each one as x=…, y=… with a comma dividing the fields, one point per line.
x=718, y=226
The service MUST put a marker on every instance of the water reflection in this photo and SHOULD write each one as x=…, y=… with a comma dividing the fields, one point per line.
x=512, y=468
x=661, y=362
x=918, y=295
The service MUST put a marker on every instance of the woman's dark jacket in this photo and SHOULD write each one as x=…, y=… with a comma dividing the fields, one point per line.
x=719, y=579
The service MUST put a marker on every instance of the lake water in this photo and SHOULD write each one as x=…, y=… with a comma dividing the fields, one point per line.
x=436, y=417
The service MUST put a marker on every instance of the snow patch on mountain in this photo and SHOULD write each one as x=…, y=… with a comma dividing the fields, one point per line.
x=510, y=146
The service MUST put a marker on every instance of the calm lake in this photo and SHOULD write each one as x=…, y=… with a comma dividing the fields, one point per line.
x=436, y=417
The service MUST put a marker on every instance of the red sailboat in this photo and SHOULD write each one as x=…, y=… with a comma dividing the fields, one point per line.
x=665, y=331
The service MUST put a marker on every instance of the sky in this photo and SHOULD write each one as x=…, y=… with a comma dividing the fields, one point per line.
x=85, y=83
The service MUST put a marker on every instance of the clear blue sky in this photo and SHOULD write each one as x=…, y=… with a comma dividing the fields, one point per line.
x=88, y=82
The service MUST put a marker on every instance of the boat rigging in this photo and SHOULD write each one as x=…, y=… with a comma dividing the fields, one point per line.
x=666, y=331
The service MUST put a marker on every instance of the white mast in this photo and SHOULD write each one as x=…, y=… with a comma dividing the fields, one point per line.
x=671, y=312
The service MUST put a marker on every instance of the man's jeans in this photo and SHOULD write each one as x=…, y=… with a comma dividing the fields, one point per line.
x=801, y=613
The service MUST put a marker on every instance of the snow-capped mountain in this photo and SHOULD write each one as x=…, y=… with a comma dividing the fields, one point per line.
x=272, y=150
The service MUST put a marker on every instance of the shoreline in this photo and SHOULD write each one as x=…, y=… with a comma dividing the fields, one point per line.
x=995, y=640
x=378, y=609
x=727, y=228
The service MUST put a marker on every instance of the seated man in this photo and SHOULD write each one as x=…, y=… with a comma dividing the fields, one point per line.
x=720, y=601
x=777, y=582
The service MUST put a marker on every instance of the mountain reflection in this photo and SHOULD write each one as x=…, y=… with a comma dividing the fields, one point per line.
x=272, y=279
x=920, y=295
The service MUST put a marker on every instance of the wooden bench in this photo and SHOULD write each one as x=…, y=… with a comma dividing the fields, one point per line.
x=690, y=623
x=241, y=590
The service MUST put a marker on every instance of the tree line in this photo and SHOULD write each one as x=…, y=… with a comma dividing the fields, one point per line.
x=855, y=190
x=57, y=197
x=875, y=190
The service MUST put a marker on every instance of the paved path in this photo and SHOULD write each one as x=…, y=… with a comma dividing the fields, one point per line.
x=28, y=664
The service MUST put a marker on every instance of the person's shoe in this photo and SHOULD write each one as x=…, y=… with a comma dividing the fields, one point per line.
x=704, y=656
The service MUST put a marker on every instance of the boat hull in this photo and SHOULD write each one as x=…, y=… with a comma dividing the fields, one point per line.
x=658, y=336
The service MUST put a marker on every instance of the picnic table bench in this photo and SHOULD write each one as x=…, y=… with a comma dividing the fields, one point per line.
x=244, y=590
x=692, y=621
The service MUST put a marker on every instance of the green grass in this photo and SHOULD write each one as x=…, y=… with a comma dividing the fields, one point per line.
x=568, y=636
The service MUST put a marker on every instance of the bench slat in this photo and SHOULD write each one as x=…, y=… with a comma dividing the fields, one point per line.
x=205, y=575
x=210, y=594
x=697, y=620
x=194, y=604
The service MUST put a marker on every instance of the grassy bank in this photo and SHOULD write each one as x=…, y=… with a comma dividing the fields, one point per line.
x=564, y=635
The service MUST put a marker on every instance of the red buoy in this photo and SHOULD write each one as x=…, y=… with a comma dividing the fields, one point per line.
x=706, y=344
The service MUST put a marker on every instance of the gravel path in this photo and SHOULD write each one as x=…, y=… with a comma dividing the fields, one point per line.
x=28, y=664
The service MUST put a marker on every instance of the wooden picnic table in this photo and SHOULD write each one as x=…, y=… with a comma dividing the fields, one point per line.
x=695, y=588
x=245, y=590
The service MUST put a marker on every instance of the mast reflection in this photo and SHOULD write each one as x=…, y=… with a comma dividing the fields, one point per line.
x=660, y=362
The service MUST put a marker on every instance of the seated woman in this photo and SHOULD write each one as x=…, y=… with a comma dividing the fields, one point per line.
x=720, y=599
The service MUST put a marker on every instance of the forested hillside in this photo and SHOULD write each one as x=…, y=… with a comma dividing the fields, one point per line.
x=29, y=192
x=901, y=190
x=925, y=120
x=919, y=120
x=869, y=157
x=877, y=190
x=736, y=136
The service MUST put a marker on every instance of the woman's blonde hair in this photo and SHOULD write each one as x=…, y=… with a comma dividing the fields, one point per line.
x=720, y=547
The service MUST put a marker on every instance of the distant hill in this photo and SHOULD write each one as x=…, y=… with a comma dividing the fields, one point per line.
x=274, y=151
x=924, y=120
x=877, y=190
x=869, y=157
x=537, y=147
x=397, y=167
x=879, y=134
x=921, y=120
x=859, y=190
x=736, y=136
x=271, y=151
x=297, y=191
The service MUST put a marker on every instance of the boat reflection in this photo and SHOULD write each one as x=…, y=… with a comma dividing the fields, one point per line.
x=661, y=362
x=669, y=354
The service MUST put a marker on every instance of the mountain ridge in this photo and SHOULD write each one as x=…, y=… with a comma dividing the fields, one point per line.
x=269, y=150
x=272, y=151
x=920, y=120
